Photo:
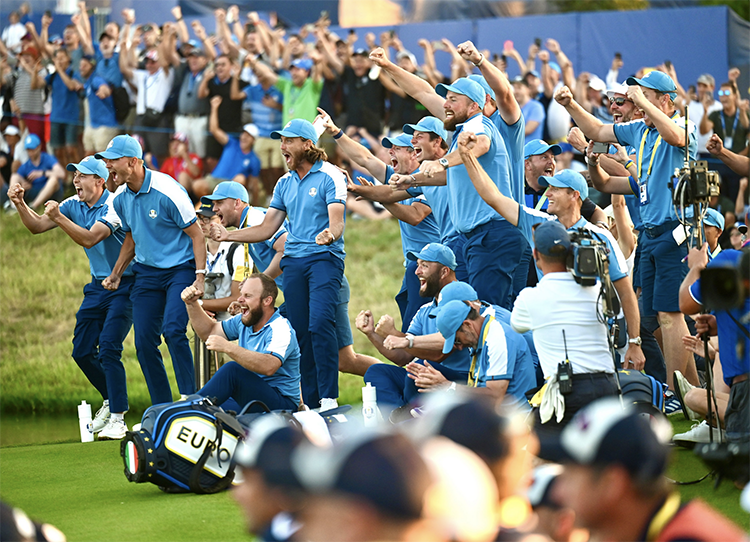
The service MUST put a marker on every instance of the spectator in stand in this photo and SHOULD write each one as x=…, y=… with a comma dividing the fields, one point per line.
x=238, y=161
x=64, y=117
x=13, y=33
x=29, y=101
x=223, y=82
x=364, y=98
x=704, y=105
x=532, y=111
x=40, y=176
x=403, y=109
x=101, y=124
x=182, y=165
x=192, y=110
x=72, y=40
x=590, y=93
x=554, y=75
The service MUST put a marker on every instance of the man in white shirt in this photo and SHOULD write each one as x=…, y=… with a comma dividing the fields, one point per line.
x=705, y=105
x=564, y=318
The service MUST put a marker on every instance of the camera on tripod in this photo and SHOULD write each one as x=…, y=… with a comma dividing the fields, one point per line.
x=586, y=256
x=694, y=183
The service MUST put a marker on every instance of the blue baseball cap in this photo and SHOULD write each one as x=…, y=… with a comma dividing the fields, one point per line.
x=483, y=82
x=402, y=140
x=121, y=145
x=227, y=190
x=457, y=291
x=449, y=321
x=655, y=80
x=467, y=87
x=551, y=238
x=297, y=128
x=90, y=166
x=303, y=64
x=565, y=146
x=32, y=141
x=434, y=252
x=714, y=218
x=428, y=124
x=567, y=178
x=556, y=67
x=538, y=146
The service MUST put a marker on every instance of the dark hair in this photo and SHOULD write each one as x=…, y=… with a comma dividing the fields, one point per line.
x=730, y=84
x=473, y=313
x=269, y=286
x=434, y=136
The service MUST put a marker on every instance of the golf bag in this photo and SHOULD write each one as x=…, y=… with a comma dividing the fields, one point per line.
x=644, y=391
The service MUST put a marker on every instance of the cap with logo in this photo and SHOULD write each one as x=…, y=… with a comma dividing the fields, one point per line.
x=401, y=140
x=90, y=166
x=567, y=178
x=537, y=146
x=32, y=141
x=457, y=291
x=180, y=136
x=551, y=238
x=297, y=128
x=465, y=86
x=714, y=218
x=656, y=80
x=449, y=320
x=227, y=190
x=428, y=124
x=119, y=146
x=434, y=252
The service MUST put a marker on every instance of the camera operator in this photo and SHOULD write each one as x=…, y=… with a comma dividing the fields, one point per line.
x=563, y=315
x=566, y=193
x=732, y=330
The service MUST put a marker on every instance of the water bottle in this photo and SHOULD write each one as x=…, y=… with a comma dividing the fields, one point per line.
x=370, y=411
x=84, y=422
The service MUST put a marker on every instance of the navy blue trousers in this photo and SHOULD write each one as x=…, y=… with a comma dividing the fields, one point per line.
x=232, y=380
x=311, y=293
x=102, y=323
x=408, y=299
x=159, y=310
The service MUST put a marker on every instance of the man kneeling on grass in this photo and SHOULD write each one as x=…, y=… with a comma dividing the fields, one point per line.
x=266, y=360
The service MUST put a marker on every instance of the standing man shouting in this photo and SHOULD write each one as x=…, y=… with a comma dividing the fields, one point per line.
x=104, y=319
x=313, y=198
x=163, y=235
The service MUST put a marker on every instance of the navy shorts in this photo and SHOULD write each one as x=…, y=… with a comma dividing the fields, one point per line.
x=63, y=134
x=661, y=271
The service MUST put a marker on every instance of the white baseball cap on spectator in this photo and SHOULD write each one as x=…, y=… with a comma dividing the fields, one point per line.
x=597, y=84
x=622, y=88
x=11, y=130
x=251, y=129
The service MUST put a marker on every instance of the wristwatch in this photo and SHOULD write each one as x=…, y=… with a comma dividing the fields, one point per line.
x=635, y=340
x=443, y=162
x=409, y=337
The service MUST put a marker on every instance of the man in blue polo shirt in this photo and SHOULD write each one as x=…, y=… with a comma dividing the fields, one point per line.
x=266, y=358
x=566, y=193
x=104, y=318
x=40, y=176
x=418, y=226
x=659, y=142
x=163, y=235
x=492, y=248
x=501, y=361
x=312, y=196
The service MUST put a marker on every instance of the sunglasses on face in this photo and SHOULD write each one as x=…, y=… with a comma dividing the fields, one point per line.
x=725, y=93
x=619, y=102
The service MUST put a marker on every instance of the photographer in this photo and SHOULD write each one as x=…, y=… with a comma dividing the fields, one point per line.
x=733, y=333
x=564, y=318
x=566, y=193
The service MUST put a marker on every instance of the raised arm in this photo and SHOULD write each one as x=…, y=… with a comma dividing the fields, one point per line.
x=603, y=181
x=354, y=151
x=266, y=75
x=34, y=223
x=213, y=122
x=208, y=45
x=87, y=238
x=271, y=223
x=592, y=127
x=566, y=66
x=202, y=323
x=670, y=131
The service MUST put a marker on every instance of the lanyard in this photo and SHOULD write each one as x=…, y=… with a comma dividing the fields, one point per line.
x=734, y=128
x=248, y=267
x=665, y=514
x=653, y=152
x=211, y=265
x=473, y=380
x=542, y=200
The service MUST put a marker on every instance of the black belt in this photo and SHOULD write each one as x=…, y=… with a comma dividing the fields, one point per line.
x=656, y=231
x=593, y=376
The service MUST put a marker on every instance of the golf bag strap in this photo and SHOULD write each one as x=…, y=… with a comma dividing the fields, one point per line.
x=195, y=476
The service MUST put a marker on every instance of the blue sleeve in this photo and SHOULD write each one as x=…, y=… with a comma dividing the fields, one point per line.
x=389, y=171
x=25, y=168
x=254, y=166
x=335, y=190
x=48, y=79
x=629, y=133
x=65, y=208
x=231, y=327
x=48, y=161
x=526, y=220
x=276, y=201
x=117, y=204
x=615, y=272
x=416, y=326
x=414, y=191
x=536, y=112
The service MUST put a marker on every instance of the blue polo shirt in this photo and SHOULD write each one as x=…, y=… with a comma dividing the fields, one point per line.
x=101, y=112
x=527, y=218
x=267, y=119
x=534, y=111
x=235, y=162
x=437, y=197
x=730, y=334
x=423, y=324
x=46, y=162
x=468, y=210
x=65, y=106
x=156, y=216
x=414, y=238
x=277, y=338
x=305, y=202
x=260, y=253
x=513, y=136
x=103, y=255
x=108, y=68
x=655, y=172
x=504, y=356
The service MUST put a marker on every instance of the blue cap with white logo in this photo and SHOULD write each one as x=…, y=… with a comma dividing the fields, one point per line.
x=402, y=140
x=449, y=321
x=227, y=190
x=567, y=178
x=90, y=166
x=483, y=82
x=297, y=128
x=467, y=87
x=32, y=141
x=122, y=145
x=714, y=218
x=538, y=146
x=428, y=124
x=434, y=252
x=656, y=80
x=457, y=291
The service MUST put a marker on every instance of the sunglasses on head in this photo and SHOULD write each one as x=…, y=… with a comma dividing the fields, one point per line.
x=619, y=102
x=725, y=93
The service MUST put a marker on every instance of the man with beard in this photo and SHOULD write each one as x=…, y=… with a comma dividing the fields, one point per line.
x=418, y=226
x=104, y=318
x=313, y=198
x=435, y=269
x=266, y=357
x=163, y=235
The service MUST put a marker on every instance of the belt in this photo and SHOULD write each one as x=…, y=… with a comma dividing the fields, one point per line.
x=739, y=378
x=593, y=376
x=656, y=231
x=479, y=229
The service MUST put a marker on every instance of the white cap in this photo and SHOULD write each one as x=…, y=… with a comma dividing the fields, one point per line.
x=11, y=130
x=597, y=84
x=622, y=88
x=251, y=129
